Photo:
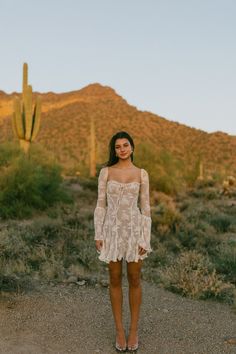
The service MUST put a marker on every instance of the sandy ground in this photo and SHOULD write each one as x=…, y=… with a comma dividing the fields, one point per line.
x=68, y=318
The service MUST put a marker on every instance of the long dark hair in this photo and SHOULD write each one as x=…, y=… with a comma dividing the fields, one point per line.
x=113, y=159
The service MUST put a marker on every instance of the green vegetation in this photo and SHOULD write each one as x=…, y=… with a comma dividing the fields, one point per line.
x=193, y=235
x=192, y=274
x=54, y=244
x=194, y=245
x=28, y=184
x=164, y=169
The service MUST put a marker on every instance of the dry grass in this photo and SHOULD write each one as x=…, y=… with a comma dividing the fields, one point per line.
x=193, y=275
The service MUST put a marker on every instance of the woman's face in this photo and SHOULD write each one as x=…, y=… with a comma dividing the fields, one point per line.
x=123, y=148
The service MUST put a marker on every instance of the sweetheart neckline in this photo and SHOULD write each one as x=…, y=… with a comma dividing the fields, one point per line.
x=111, y=180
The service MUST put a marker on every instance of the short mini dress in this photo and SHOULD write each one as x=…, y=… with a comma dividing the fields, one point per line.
x=119, y=222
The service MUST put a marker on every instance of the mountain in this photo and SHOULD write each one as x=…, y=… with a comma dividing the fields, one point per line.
x=65, y=130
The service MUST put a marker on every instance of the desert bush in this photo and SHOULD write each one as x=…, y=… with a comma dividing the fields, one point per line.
x=166, y=184
x=164, y=169
x=46, y=248
x=160, y=255
x=210, y=213
x=29, y=183
x=221, y=222
x=193, y=275
x=205, y=193
x=191, y=169
x=224, y=260
x=8, y=152
x=165, y=219
x=198, y=235
x=204, y=183
x=88, y=183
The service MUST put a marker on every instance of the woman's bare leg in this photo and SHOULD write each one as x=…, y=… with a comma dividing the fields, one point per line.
x=116, y=296
x=135, y=298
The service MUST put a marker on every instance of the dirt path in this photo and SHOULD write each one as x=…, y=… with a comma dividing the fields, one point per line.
x=69, y=318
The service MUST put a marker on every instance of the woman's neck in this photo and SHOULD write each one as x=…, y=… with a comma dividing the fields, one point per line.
x=123, y=165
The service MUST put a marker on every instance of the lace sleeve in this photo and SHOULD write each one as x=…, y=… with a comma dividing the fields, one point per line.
x=145, y=235
x=100, y=210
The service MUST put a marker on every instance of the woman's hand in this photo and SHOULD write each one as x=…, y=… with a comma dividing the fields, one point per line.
x=99, y=244
x=141, y=250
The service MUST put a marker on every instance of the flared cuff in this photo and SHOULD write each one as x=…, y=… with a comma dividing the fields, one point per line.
x=99, y=215
x=145, y=236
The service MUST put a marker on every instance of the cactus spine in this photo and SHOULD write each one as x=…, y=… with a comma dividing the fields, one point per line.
x=26, y=119
x=92, y=150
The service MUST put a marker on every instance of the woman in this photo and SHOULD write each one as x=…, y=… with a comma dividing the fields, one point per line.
x=122, y=231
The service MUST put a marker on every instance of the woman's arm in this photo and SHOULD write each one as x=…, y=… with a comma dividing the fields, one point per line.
x=145, y=235
x=100, y=210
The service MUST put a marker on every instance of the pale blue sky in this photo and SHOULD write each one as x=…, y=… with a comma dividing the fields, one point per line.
x=175, y=58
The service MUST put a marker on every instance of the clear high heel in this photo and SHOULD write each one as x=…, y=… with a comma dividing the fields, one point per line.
x=134, y=347
x=119, y=348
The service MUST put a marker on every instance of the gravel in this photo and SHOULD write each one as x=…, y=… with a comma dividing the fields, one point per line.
x=77, y=318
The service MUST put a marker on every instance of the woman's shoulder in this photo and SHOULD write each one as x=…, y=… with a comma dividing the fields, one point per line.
x=144, y=175
x=143, y=170
x=103, y=172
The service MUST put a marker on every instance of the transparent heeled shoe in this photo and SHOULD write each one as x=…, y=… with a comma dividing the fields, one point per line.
x=120, y=348
x=134, y=347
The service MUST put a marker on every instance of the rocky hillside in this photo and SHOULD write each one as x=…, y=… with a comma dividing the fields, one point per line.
x=65, y=129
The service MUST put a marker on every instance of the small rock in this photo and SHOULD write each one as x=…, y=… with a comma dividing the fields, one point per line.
x=92, y=280
x=81, y=282
x=71, y=279
x=104, y=283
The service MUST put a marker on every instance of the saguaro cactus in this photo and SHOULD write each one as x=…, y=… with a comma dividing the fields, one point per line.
x=200, y=170
x=26, y=119
x=92, y=148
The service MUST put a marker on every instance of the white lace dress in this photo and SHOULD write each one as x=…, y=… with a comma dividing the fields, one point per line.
x=118, y=220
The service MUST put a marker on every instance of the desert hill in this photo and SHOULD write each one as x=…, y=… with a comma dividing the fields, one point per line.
x=66, y=121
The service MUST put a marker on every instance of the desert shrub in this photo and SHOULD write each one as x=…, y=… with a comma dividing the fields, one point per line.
x=191, y=169
x=88, y=183
x=165, y=184
x=29, y=183
x=198, y=235
x=221, y=222
x=8, y=152
x=205, y=193
x=165, y=219
x=210, y=214
x=46, y=248
x=193, y=275
x=52, y=267
x=204, y=183
x=159, y=256
x=224, y=260
x=164, y=169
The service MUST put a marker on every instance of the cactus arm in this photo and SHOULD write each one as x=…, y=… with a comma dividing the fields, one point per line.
x=92, y=148
x=36, y=119
x=28, y=113
x=25, y=79
x=14, y=124
x=17, y=118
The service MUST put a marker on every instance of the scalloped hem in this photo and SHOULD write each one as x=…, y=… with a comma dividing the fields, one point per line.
x=127, y=259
